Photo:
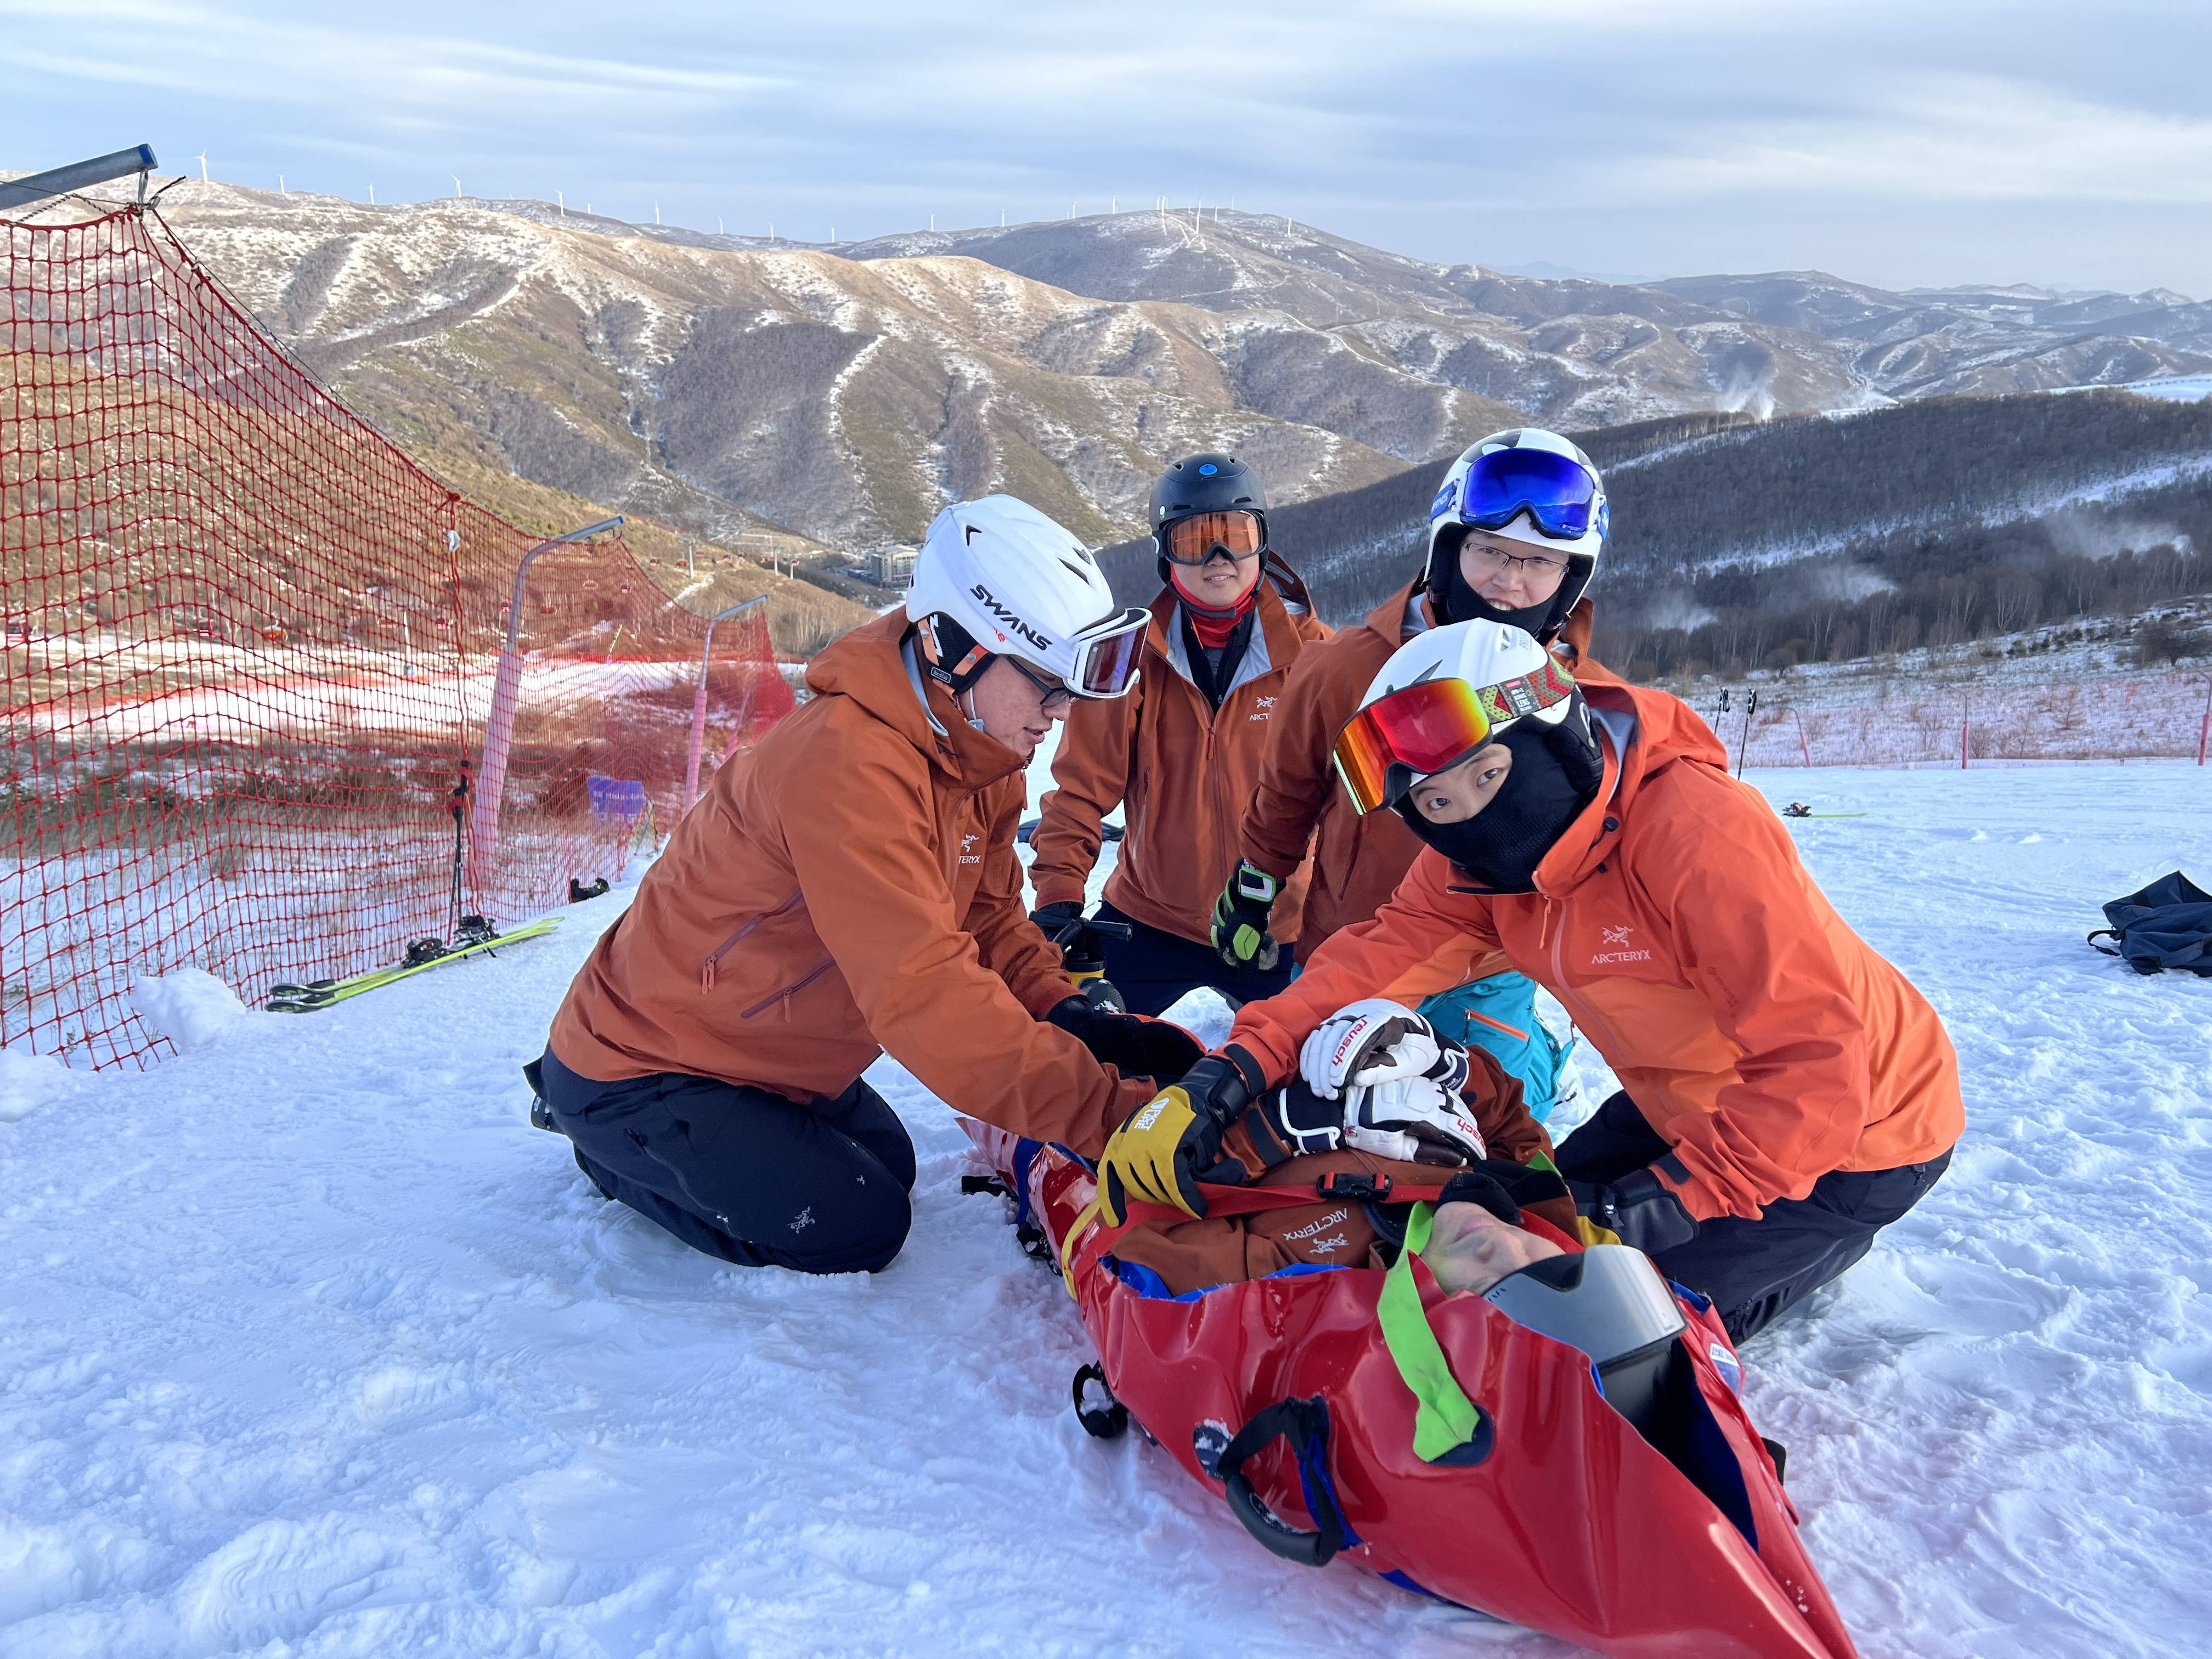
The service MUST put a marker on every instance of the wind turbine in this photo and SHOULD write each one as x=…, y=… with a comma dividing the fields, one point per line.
x=456, y=178
x=201, y=158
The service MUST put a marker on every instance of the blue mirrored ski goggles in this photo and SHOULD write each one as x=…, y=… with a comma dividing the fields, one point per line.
x=1556, y=491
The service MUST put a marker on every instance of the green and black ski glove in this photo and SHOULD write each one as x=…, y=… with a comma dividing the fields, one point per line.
x=1240, y=920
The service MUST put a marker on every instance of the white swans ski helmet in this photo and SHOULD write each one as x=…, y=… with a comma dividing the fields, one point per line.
x=1524, y=485
x=997, y=578
x=1443, y=695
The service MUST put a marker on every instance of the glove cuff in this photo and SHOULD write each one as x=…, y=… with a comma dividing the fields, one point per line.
x=1072, y=1013
x=1253, y=1073
x=1254, y=886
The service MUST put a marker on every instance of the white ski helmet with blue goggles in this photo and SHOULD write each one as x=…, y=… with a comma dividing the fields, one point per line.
x=1523, y=485
x=996, y=577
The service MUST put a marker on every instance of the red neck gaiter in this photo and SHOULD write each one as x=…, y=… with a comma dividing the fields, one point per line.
x=1212, y=627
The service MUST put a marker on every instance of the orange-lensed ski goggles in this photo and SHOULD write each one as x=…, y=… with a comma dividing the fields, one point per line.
x=1433, y=724
x=1192, y=540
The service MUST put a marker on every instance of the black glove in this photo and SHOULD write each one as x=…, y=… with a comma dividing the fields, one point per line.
x=1240, y=918
x=1294, y=1120
x=1502, y=1187
x=1159, y=1156
x=1139, y=1047
x=1640, y=1208
x=1053, y=919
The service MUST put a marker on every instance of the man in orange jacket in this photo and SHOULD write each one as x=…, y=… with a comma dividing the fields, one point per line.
x=1486, y=559
x=1786, y=1093
x=849, y=888
x=1180, y=754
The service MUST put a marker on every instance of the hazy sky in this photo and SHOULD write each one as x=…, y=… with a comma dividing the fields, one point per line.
x=1898, y=144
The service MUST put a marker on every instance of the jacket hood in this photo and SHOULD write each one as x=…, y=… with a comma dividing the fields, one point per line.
x=869, y=666
x=1642, y=734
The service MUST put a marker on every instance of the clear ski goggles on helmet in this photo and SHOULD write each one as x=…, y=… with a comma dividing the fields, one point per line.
x=1107, y=654
x=1192, y=540
x=1432, y=726
x=1559, y=492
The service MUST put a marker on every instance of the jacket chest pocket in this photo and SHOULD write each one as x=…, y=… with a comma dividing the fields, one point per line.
x=774, y=948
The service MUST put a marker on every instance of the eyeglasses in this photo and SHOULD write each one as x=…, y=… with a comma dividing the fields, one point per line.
x=1535, y=566
x=1196, y=539
x=1431, y=726
x=1052, y=694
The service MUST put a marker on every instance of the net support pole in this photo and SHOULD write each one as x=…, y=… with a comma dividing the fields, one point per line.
x=506, y=688
x=698, y=747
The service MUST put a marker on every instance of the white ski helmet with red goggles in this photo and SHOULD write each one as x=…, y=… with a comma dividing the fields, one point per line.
x=1443, y=695
x=996, y=577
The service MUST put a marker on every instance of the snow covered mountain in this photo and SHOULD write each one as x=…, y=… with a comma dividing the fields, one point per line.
x=725, y=382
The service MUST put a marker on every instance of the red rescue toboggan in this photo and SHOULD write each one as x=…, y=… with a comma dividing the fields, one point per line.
x=1354, y=1413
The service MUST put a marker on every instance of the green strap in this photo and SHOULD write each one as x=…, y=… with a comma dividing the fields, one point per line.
x=1445, y=1418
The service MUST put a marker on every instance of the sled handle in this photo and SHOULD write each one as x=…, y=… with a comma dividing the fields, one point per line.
x=1304, y=1424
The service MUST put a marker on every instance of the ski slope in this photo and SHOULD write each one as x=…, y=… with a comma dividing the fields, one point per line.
x=314, y=1347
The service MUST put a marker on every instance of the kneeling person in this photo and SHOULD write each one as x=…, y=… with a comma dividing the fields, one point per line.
x=1787, y=1093
x=849, y=888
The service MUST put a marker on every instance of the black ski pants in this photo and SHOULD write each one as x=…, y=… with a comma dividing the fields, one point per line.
x=1753, y=1271
x=743, y=1173
x=1151, y=968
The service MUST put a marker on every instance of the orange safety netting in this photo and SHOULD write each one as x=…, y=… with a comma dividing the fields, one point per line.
x=248, y=653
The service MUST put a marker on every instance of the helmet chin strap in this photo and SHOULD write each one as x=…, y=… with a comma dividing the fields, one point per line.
x=965, y=702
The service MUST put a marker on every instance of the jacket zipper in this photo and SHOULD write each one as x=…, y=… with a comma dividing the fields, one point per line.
x=788, y=992
x=707, y=967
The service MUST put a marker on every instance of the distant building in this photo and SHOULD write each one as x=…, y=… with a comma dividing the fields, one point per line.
x=889, y=566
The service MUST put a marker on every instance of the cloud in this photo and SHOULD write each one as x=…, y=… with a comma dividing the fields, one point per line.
x=1894, y=140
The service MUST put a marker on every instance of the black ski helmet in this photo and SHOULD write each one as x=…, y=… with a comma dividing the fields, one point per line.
x=1210, y=483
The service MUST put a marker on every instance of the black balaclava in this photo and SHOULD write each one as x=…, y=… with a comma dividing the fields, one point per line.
x=1556, y=772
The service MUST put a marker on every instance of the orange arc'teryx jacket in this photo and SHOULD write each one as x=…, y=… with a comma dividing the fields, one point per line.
x=849, y=887
x=1183, y=770
x=1358, y=861
x=1761, y=1037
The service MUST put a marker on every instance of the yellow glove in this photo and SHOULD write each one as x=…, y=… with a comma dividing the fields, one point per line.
x=1174, y=1138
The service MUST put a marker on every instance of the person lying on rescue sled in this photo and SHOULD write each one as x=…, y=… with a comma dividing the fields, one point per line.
x=1515, y=535
x=1180, y=754
x=1382, y=1103
x=849, y=888
x=1786, y=1094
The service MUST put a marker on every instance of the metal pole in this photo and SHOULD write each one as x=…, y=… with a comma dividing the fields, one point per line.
x=78, y=175
x=507, y=683
x=2204, y=730
x=1743, y=752
x=699, y=700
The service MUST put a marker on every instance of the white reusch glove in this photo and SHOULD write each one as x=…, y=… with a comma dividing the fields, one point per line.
x=1374, y=1041
x=1415, y=1120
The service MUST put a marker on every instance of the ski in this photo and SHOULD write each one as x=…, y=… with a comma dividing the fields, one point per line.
x=306, y=998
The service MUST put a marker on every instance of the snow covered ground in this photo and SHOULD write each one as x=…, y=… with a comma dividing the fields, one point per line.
x=313, y=1347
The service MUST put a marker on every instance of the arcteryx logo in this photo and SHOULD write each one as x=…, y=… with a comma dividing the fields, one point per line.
x=1619, y=938
x=990, y=603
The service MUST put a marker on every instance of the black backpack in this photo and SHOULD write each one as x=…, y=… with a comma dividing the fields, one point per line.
x=2168, y=925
